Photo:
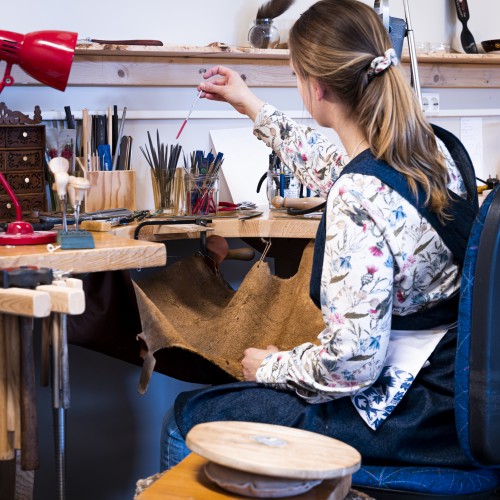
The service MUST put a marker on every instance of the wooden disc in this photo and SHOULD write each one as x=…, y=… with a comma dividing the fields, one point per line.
x=273, y=450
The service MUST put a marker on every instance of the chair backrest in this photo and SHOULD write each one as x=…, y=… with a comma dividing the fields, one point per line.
x=477, y=376
x=462, y=161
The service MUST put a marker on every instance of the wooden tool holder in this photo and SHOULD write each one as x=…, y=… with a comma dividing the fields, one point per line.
x=109, y=189
x=18, y=431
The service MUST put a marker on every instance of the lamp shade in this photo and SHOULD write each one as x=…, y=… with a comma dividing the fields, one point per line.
x=46, y=56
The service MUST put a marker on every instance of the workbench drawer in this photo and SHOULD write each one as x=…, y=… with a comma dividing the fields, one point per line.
x=22, y=136
x=28, y=204
x=21, y=161
x=26, y=182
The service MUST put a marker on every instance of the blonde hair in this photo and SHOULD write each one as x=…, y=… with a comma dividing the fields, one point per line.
x=335, y=42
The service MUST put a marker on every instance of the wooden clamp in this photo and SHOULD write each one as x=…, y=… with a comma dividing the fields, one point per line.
x=25, y=302
x=64, y=299
x=17, y=396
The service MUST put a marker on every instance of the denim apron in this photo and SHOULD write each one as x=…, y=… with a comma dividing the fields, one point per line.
x=421, y=429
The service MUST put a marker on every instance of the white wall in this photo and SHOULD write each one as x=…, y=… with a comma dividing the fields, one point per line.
x=195, y=22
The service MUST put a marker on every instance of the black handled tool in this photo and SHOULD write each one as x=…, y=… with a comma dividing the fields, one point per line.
x=152, y=43
x=468, y=42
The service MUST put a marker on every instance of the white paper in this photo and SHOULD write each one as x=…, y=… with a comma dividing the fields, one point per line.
x=471, y=135
x=246, y=160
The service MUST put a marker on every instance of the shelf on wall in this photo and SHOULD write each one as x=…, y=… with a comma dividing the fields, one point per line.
x=177, y=66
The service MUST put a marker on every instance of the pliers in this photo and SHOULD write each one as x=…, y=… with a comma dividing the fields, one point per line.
x=226, y=206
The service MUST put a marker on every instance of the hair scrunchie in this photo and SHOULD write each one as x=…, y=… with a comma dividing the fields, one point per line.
x=381, y=63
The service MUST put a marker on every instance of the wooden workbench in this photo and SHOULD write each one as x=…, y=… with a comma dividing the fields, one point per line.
x=111, y=253
x=271, y=224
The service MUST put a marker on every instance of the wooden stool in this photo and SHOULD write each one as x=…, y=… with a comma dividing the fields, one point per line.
x=277, y=462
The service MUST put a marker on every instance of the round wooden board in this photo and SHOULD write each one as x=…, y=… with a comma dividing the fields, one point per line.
x=273, y=450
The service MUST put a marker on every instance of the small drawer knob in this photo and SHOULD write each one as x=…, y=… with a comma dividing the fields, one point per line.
x=25, y=158
x=25, y=134
x=27, y=180
x=9, y=205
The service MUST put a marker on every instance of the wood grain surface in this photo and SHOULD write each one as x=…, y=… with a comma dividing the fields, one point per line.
x=187, y=481
x=116, y=189
x=115, y=65
x=24, y=302
x=273, y=450
x=111, y=253
x=271, y=224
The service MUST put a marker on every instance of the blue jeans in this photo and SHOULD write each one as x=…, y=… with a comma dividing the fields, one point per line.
x=173, y=448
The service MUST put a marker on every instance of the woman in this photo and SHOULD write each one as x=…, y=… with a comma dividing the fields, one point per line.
x=386, y=270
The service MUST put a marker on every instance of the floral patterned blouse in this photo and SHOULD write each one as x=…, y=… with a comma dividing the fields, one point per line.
x=381, y=258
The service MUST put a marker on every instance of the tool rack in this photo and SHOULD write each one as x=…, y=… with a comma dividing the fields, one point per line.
x=18, y=413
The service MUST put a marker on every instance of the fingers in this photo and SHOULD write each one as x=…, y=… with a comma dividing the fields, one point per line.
x=213, y=97
x=217, y=70
x=211, y=90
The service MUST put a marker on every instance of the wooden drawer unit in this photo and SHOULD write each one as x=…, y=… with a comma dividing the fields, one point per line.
x=28, y=204
x=22, y=152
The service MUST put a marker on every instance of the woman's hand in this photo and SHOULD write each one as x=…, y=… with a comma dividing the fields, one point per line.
x=252, y=359
x=229, y=87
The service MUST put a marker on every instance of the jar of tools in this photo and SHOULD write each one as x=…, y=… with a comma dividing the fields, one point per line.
x=280, y=181
x=263, y=34
x=202, y=193
x=163, y=183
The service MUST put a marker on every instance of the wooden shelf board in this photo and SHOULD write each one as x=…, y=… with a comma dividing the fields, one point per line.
x=178, y=66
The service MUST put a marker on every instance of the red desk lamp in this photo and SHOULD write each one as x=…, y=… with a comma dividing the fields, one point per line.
x=46, y=56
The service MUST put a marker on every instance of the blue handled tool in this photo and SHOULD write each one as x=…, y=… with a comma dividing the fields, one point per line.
x=104, y=152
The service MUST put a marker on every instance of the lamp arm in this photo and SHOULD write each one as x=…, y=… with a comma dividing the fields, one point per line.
x=12, y=196
x=7, y=80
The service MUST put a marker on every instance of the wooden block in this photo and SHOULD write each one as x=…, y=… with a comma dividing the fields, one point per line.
x=65, y=299
x=96, y=225
x=13, y=344
x=24, y=302
x=115, y=189
x=6, y=449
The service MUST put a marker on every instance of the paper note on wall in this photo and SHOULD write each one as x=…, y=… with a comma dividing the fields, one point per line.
x=246, y=160
x=471, y=135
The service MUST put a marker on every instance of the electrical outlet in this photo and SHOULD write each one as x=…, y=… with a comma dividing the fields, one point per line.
x=430, y=102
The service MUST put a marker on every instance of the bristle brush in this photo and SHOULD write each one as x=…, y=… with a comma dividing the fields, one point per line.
x=273, y=8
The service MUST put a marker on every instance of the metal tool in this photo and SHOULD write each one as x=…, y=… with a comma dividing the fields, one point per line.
x=59, y=167
x=67, y=297
x=226, y=206
x=74, y=187
x=120, y=135
x=77, y=188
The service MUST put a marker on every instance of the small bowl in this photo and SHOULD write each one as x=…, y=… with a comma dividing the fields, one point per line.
x=491, y=45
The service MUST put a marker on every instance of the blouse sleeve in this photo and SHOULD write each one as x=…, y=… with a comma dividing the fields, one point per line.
x=356, y=294
x=312, y=158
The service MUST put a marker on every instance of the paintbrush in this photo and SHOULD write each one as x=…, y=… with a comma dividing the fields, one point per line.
x=466, y=37
x=273, y=9
x=189, y=114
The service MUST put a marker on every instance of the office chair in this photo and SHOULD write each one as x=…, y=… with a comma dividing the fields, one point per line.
x=477, y=383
